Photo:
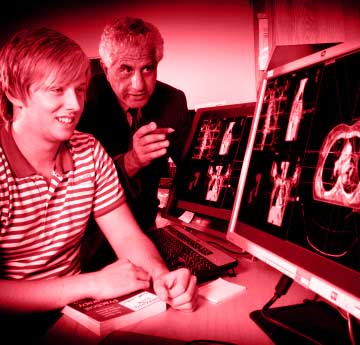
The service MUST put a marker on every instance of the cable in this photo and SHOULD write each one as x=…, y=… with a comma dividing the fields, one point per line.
x=352, y=335
x=281, y=289
x=283, y=285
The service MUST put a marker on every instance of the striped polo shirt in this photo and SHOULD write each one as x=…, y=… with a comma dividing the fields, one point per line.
x=41, y=224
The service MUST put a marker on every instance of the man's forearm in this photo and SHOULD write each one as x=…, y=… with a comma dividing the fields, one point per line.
x=129, y=242
x=146, y=254
x=44, y=295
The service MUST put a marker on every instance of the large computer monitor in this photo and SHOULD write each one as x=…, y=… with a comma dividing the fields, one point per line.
x=204, y=188
x=298, y=200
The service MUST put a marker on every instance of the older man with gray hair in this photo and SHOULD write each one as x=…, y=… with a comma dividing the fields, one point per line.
x=139, y=120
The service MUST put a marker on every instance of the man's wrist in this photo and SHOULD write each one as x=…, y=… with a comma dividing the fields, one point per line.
x=131, y=163
x=91, y=285
x=159, y=271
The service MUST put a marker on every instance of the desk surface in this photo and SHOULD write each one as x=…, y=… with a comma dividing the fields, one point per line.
x=228, y=321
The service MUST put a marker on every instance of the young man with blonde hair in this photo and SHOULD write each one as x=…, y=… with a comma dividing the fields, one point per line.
x=52, y=178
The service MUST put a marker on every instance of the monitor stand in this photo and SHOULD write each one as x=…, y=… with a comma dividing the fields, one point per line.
x=316, y=319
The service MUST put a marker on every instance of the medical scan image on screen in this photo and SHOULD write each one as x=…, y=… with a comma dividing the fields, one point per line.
x=207, y=180
x=212, y=166
x=302, y=184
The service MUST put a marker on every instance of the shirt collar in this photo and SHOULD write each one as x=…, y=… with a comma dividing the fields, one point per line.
x=134, y=112
x=19, y=164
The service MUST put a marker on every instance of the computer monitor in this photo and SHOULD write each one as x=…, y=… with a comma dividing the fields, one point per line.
x=298, y=200
x=203, y=191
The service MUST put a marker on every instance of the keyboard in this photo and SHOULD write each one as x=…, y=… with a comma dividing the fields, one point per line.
x=180, y=248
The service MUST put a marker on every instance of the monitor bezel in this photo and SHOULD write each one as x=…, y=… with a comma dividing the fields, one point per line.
x=202, y=213
x=336, y=283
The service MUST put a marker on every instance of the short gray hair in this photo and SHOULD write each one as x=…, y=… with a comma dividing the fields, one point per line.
x=129, y=32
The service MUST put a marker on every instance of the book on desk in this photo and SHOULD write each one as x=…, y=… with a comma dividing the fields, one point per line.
x=104, y=316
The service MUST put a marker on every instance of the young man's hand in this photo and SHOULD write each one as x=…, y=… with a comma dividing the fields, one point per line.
x=119, y=278
x=177, y=288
